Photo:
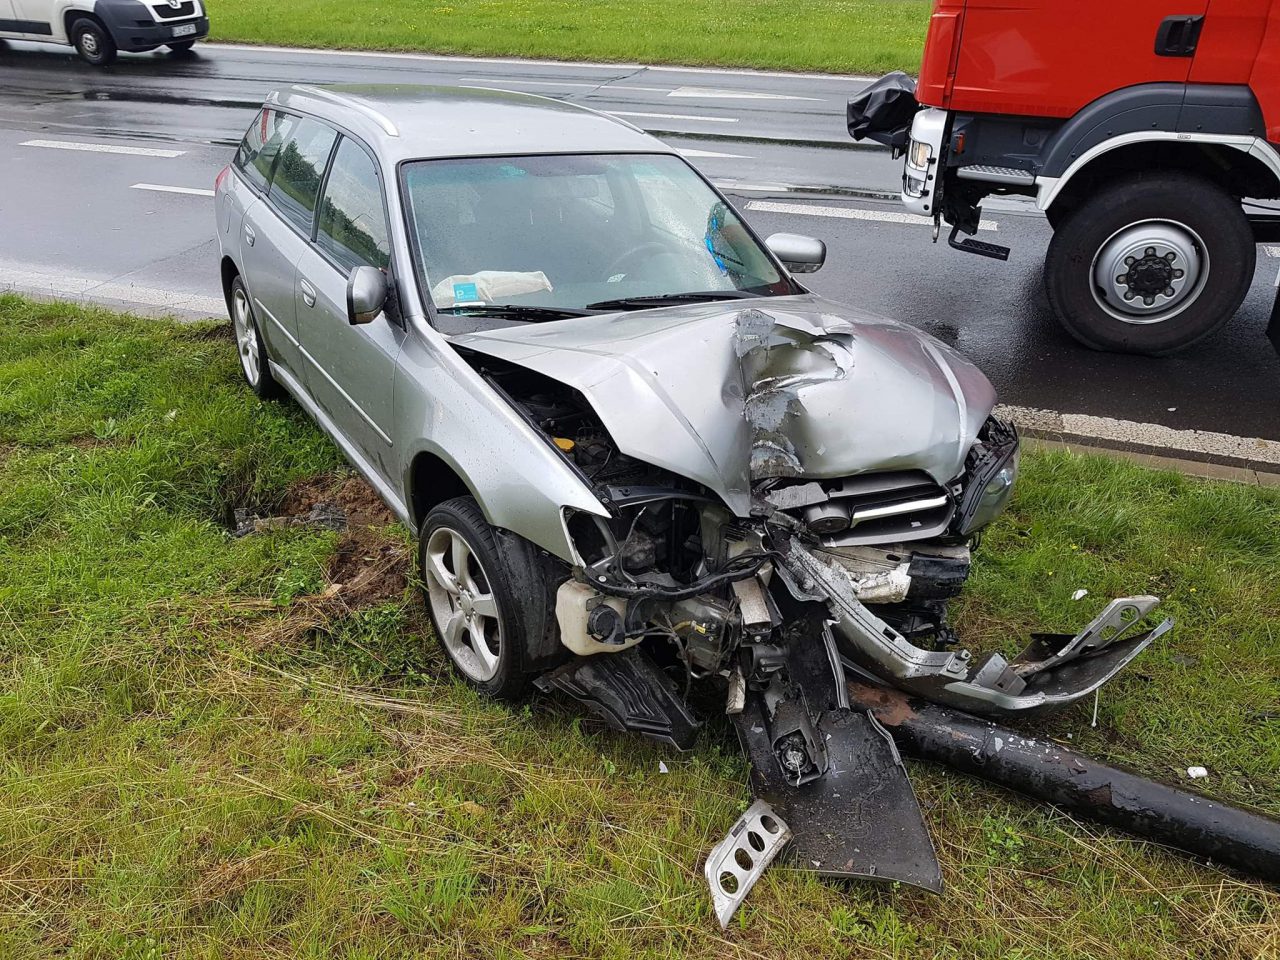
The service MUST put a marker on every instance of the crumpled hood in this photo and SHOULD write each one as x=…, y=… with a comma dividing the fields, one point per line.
x=732, y=392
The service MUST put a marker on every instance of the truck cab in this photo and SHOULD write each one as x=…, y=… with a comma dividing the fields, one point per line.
x=1148, y=141
x=98, y=29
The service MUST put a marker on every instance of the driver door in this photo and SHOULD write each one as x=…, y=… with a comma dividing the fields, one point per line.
x=351, y=369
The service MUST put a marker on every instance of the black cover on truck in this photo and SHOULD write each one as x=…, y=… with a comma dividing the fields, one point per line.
x=883, y=111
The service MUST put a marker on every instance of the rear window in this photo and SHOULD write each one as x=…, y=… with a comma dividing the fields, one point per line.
x=299, y=169
x=261, y=145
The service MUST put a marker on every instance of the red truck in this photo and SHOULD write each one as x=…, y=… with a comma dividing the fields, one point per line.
x=1145, y=130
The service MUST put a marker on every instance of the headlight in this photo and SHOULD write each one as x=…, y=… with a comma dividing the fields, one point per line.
x=920, y=154
x=992, y=475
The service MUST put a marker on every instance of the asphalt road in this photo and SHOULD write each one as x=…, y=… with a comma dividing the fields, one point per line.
x=132, y=224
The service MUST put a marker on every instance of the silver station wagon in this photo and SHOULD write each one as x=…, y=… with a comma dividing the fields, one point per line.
x=639, y=455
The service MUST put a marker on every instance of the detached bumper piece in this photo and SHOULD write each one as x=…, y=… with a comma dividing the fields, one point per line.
x=738, y=860
x=1052, y=672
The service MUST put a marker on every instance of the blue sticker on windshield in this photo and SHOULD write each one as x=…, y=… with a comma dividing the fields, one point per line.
x=465, y=293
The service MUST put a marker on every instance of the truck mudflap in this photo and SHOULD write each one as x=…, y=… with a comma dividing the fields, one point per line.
x=883, y=111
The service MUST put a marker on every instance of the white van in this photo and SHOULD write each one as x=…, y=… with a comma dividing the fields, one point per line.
x=99, y=28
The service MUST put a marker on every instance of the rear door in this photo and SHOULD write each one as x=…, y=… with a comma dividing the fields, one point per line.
x=1046, y=58
x=351, y=369
x=276, y=230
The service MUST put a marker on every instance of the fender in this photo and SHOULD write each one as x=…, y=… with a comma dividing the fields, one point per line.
x=1048, y=188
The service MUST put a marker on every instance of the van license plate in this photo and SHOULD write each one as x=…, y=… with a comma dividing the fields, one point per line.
x=184, y=30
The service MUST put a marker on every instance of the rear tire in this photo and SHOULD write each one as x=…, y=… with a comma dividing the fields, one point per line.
x=93, y=42
x=1150, y=264
x=250, y=347
x=486, y=594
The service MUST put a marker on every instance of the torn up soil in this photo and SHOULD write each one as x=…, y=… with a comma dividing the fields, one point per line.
x=371, y=565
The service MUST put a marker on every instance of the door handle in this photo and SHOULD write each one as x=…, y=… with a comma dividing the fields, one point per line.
x=249, y=235
x=308, y=293
x=1178, y=36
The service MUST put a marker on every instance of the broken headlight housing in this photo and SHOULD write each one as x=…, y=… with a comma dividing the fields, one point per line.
x=992, y=471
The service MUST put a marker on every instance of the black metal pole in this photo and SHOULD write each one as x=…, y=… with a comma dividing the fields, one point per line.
x=1247, y=841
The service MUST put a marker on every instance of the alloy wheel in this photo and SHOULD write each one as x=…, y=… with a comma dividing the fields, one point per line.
x=246, y=337
x=462, y=604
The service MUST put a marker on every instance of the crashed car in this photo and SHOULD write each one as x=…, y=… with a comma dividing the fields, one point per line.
x=638, y=453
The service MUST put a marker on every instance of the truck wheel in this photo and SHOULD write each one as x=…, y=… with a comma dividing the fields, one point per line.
x=1150, y=264
x=93, y=42
x=485, y=595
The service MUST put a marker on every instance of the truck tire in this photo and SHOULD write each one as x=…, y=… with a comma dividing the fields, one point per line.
x=1150, y=264
x=93, y=42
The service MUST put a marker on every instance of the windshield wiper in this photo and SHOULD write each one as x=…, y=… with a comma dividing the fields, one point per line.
x=515, y=311
x=662, y=299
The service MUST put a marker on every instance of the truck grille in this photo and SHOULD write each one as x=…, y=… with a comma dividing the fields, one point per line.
x=879, y=508
x=166, y=11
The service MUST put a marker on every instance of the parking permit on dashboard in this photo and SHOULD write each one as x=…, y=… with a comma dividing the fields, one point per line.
x=465, y=293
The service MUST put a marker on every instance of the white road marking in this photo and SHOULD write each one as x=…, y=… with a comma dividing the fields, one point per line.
x=672, y=116
x=103, y=148
x=708, y=154
x=165, y=188
x=708, y=93
x=850, y=213
x=528, y=83
x=576, y=64
x=752, y=187
x=1272, y=251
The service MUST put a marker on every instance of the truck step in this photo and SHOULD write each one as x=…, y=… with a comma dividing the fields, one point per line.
x=980, y=247
x=992, y=174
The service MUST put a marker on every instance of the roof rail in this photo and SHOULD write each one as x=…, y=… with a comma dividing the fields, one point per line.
x=354, y=103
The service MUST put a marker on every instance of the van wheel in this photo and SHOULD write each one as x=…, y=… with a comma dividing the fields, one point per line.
x=93, y=42
x=1150, y=264
x=485, y=593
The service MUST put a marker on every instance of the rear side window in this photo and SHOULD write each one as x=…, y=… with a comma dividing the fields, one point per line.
x=299, y=170
x=353, y=223
x=261, y=145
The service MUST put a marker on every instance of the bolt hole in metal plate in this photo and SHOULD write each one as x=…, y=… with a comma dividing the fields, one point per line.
x=738, y=860
x=1150, y=271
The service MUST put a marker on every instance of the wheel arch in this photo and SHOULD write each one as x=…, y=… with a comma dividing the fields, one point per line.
x=1242, y=166
x=229, y=273
x=70, y=14
x=430, y=481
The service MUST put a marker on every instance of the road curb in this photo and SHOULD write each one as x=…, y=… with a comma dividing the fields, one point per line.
x=1198, y=453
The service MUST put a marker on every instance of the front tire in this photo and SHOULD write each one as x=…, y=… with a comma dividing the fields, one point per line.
x=1150, y=264
x=250, y=347
x=485, y=597
x=93, y=42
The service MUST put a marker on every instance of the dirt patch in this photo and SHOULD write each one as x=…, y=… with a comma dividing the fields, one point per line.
x=370, y=564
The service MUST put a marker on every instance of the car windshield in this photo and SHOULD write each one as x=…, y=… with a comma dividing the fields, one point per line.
x=542, y=237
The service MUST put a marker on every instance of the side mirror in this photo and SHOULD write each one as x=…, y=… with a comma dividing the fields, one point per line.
x=366, y=294
x=798, y=254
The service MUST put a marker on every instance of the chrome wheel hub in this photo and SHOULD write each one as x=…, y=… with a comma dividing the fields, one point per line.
x=1150, y=271
x=462, y=604
x=246, y=337
x=89, y=42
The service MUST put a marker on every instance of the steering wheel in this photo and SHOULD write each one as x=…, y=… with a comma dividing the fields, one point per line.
x=650, y=248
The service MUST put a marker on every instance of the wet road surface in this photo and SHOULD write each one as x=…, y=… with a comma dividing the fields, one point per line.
x=105, y=179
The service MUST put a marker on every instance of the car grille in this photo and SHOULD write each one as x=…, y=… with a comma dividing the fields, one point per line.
x=186, y=8
x=880, y=508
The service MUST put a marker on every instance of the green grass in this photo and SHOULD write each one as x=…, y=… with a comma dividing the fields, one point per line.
x=205, y=754
x=842, y=36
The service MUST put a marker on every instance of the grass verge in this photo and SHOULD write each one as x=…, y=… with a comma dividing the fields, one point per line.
x=214, y=747
x=839, y=36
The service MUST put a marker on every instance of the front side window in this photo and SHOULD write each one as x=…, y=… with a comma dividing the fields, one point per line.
x=261, y=145
x=353, y=223
x=298, y=171
x=577, y=233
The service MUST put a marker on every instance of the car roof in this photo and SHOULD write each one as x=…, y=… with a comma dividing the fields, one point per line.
x=413, y=121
